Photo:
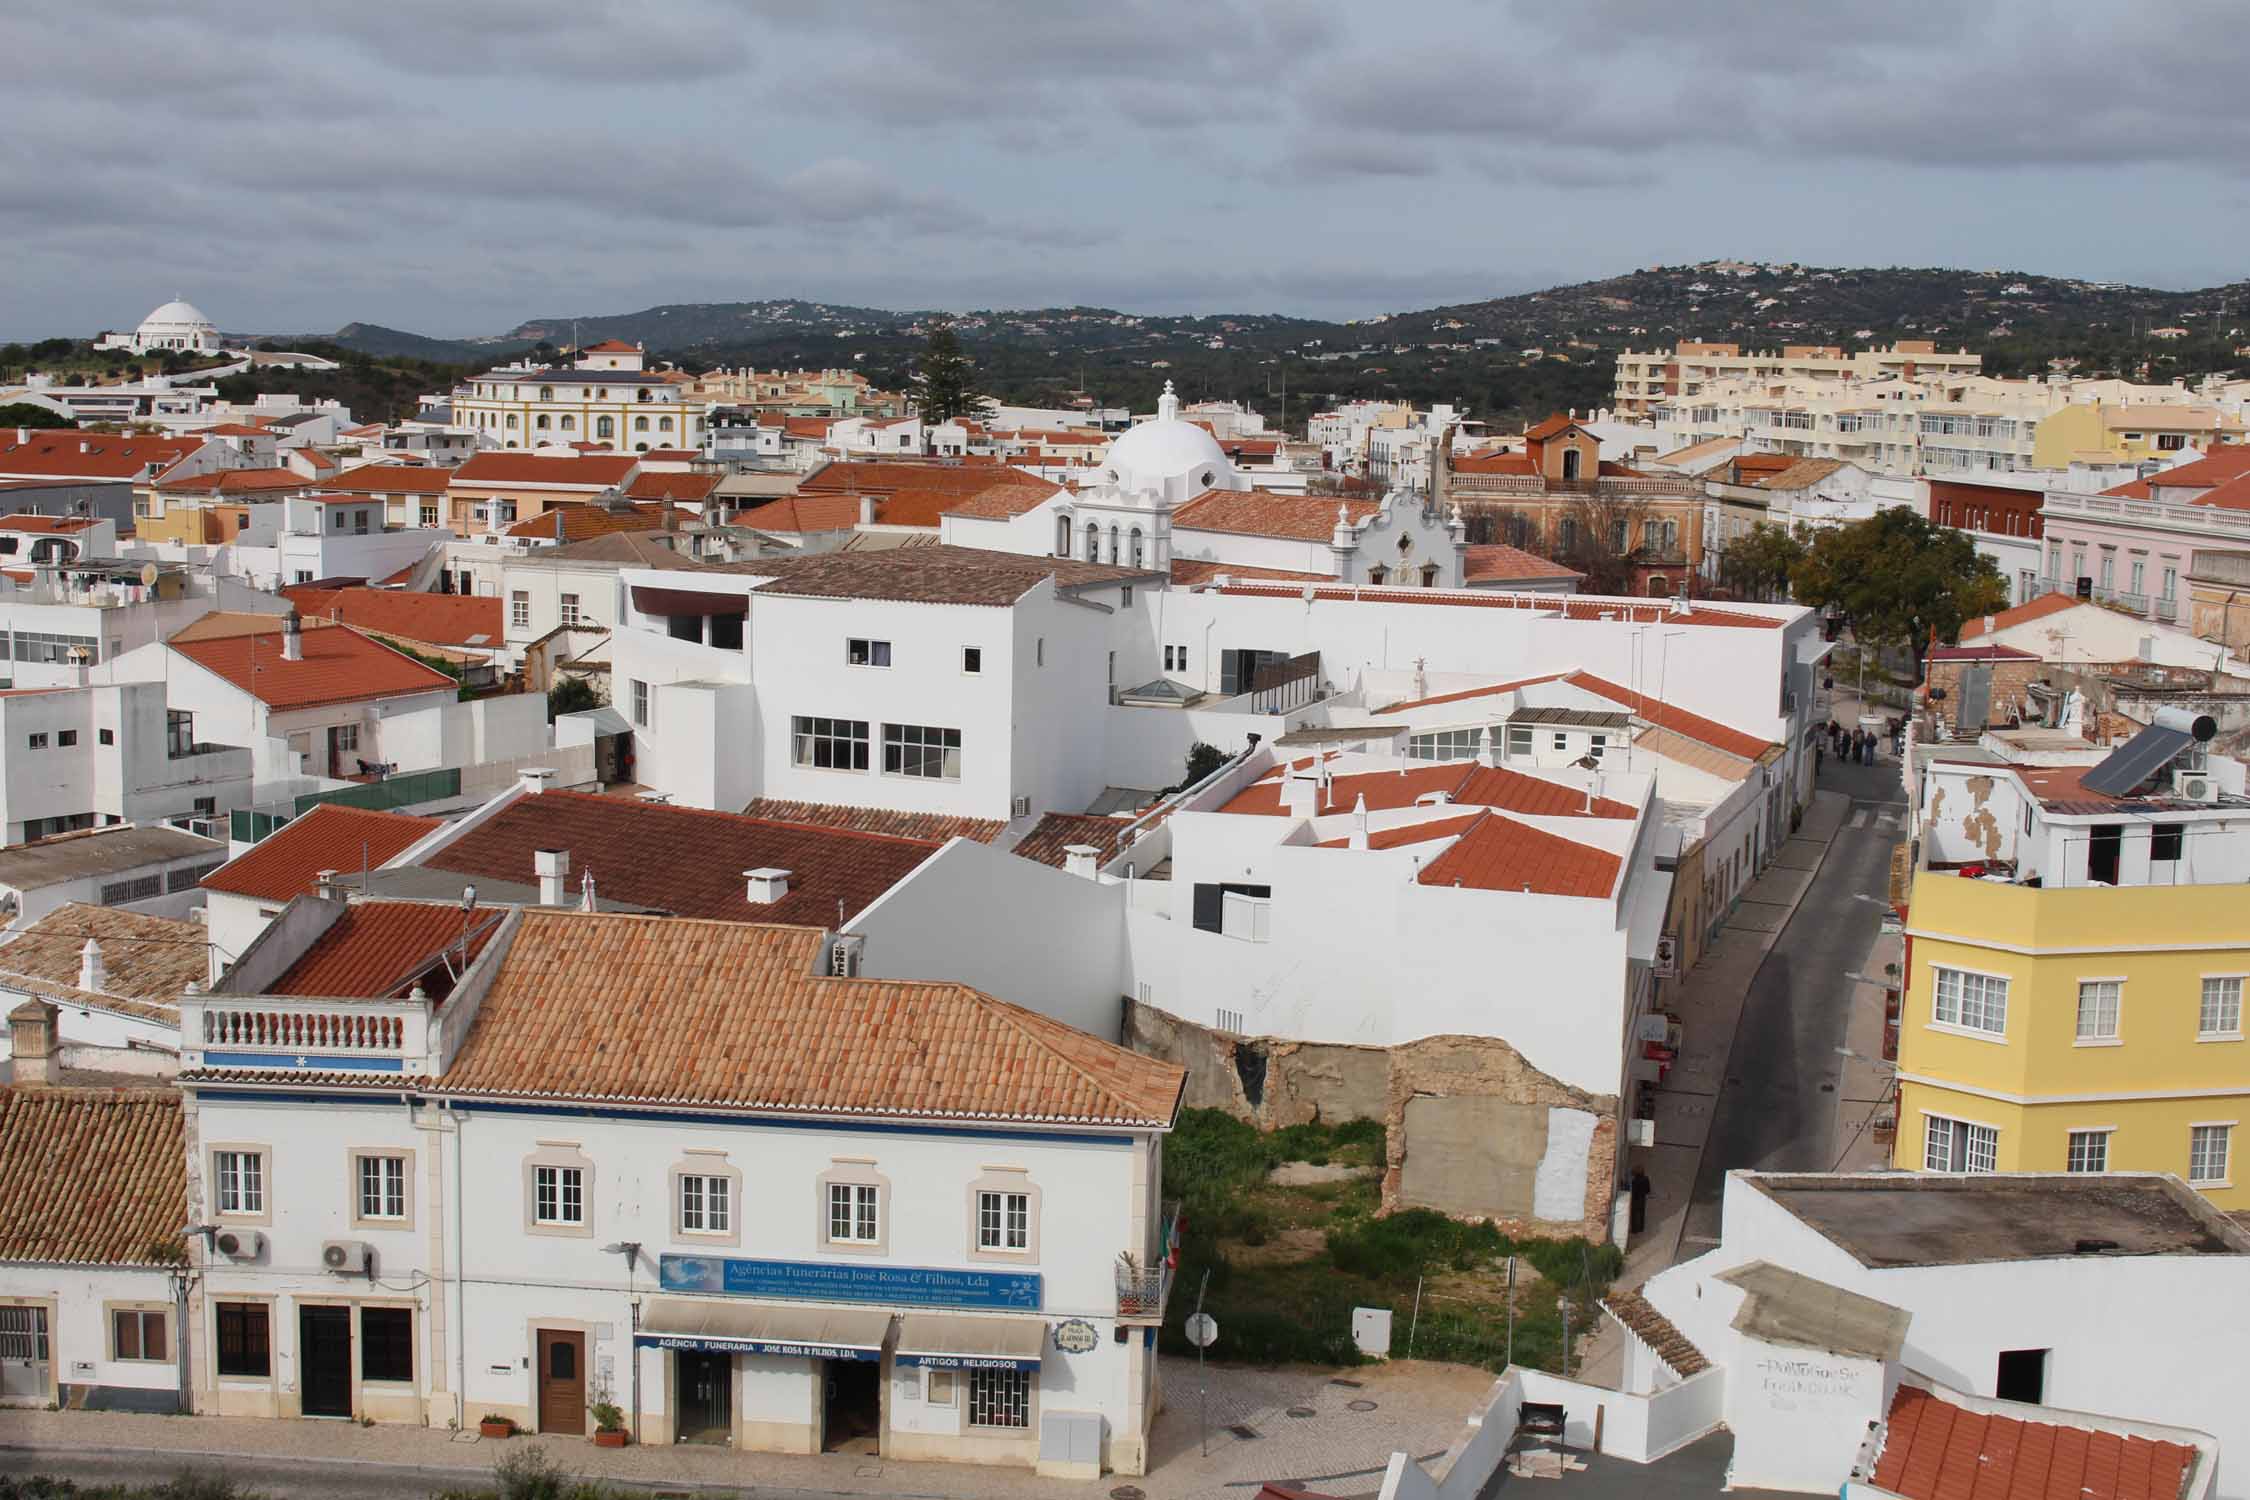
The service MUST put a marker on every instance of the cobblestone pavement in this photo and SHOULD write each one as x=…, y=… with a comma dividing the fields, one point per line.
x=1417, y=1406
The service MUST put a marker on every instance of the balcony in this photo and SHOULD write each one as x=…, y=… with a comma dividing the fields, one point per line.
x=1144, y=1286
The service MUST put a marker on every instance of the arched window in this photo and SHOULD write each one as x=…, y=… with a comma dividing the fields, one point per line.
x=546, y=393
x=1136, y=546
x=511, y=419
x=1113, y=554
x=569, y=424
x=543, y=422
x=1093, y=542
x=640, y=447
x=663, y=424
x=1657, y=587
x=1062, y=536
x=643, y=396
x=1377, y=573
x=1570, y=462
x=1429, y=575
x=640, y=424
x=605, y=427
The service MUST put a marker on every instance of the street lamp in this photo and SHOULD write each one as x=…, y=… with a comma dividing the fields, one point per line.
x=631, y=1250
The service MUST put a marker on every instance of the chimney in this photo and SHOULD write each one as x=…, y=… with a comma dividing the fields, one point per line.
x=533, y=779
x=1079, y=859
x=1485, y=757
x=553, y=866
x=92, y=976
x=292, y=638
x=1359, y=822
x=1300, y=795
x=586, y=892
x=767, y=885
x=1989, y=624
x=326, y=886
x=31, y=1040
x=867, y=510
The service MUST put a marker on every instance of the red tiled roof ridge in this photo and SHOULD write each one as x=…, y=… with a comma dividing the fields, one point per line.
x=765, y=822
x=410, y=827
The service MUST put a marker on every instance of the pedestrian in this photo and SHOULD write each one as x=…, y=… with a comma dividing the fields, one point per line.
x=1859, y=747
x=1867, y=747
x=1640, y=1188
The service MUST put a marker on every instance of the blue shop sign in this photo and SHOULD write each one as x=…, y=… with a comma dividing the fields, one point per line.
x=720, y=1344
x=822, y=1281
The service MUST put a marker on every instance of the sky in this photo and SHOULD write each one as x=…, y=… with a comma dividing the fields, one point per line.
x=455, y=167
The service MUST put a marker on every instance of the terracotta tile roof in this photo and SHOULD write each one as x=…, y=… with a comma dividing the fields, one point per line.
x=2225, y=462
x=46, y=525
x=611, y=346
x=393, y=479
x=1978, y=653
x=431, y=619
x=1006, y=501
x=2233, y=495
x=144, y=958
x=1189, y=571
x=664, y=1010
x=685, y=860
x=235, y=429
x=801, y=513
x=931, y=575
x=1498, y=853
x=378, y=950
x=1935, y=1450
x=1504, y=461
x=1496, y=560
x=91, y=1176
x=1802, y=474
x=892, y=476
x=669, y=485
x=630, y=549
x=1425, y=832
x=581, y=520
x=1678, y=720
x=1573, y=607
x=330, y=837
x=1467, y=693
x=1053, y=833
x=339, y=666
x=66, y=453
x=1659, y=1333
x=1308, y=518
x=1465, y=783
x=2034, y=609
x=532, y=470
x=1554, y=427
x=934, y=827
x=236, y=482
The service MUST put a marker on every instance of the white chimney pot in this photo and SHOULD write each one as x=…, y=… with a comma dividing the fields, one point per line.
x=1079, y=859
x=534, y=779
x=553, y=866
x=766, y=886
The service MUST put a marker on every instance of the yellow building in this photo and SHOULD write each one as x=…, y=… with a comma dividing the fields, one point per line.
x=2105, y=432
x=2056, y=1020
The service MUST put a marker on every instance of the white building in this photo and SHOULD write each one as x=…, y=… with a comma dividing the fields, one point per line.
x=153, y=869
x=176, y=326
x=107, y=753
x=606, y=398
x=501, y=1235
x=113, y=978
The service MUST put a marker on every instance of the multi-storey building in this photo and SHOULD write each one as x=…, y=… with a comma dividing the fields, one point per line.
x=2073, y=995
x=1652, y=378
x=606, y=399
x=2131, y=546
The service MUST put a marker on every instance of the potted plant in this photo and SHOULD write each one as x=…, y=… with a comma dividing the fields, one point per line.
x=493, y=1425
x=609, y=1425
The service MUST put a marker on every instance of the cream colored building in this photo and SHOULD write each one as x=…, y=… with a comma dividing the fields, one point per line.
x=608, y=399
x=1648, y=378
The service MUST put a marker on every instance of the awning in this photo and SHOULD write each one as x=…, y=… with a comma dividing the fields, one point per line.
x=605, y=719
x=763, y=1328
x=656, y=601
x=962, y=1343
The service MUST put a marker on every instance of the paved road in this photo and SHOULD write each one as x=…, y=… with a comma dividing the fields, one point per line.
x=1773, y=1111
x=325, y=1479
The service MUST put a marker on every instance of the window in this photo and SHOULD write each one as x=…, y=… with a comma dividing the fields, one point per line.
x=1445, y=744
x=543, y=422
x=429, y=513
x=923, y=751
x=1596, y=744
x=558, y=1195
x=519, y=610
x=347, y=737
x=705, y=1204
x=381, y=1187
x=569, y=424
x=139, y=888
x=241, y=1181
x=105, y=736
x=605, y=427
x=386, y=1344
x=972, y=659
x=1000, y=1398
x=2207, y=1153
x=1519, y=741
x=941, y=1387
x=2089, y=1151
x=570, y=611
x=245, y=1339
x=38, y=741
x=1958, y=1146
x=1978, y=1002
x=640, y=703
x=139, y=1333
x=65, y=738
x=828, y=744
x=854, y=1214
x=864, y=653
x=1003, y=1221
x=1175, y=658
x=640, y=424
x=2097, y=1009
x=1562, y=741
x=2221, y=1015
x=2021, y=1375
x=2164, y=842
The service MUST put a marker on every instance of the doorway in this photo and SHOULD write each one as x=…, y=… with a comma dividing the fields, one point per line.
x=851, y=1415
x=26, y=1365
x=324, y=1361
x=2102, y=851
x=562, y=1381
x=706, y=1394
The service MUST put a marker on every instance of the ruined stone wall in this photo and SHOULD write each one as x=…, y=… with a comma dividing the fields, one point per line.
x=1473, y=1130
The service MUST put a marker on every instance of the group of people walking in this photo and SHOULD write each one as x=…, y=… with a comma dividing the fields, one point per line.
x=1853, y=746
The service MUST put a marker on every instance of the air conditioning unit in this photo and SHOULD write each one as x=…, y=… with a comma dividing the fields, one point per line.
x=2195, y=786
x=348, y=1257
x=240, y=1244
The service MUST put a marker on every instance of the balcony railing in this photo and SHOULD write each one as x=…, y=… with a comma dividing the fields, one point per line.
x=304, y=1030
x=1142, y=1290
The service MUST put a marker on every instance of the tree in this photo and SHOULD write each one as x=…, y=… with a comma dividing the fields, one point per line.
x=32, y=414
x=1899, y=579
x=945, y=376
x=1757, y=564
x=1599, y=535
x=569, y=696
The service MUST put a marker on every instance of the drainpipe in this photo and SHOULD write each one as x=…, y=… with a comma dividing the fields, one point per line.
x=460, y=1285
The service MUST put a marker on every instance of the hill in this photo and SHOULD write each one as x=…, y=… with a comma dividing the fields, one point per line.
x=375, y=339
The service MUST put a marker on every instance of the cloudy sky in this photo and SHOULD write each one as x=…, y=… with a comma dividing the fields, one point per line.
x=457, y=166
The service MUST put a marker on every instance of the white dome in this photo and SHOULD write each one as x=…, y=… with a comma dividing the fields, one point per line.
x=1168, y=449
x=177, y=317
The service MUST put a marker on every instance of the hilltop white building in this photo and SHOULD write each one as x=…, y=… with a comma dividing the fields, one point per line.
x=176, y=326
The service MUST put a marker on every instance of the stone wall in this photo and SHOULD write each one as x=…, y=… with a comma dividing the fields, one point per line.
x=1473, y=1130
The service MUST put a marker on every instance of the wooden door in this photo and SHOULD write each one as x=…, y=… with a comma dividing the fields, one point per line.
x=562, y=1381
x=324, y=1361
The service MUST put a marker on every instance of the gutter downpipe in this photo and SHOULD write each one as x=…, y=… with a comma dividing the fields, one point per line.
x=460, y=1283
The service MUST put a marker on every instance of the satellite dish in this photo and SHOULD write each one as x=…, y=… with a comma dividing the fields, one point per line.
x=148, y=574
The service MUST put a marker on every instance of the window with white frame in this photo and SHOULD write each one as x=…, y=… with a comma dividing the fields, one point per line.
x=429, y=515
x=706, y=1205
x=828, y=744
x=1958, y=1146
x=2097, y=1009
x=2089, y=1151
x=1519, y=741
x=866, y=653
x=1175, y=658
x=1443, y=744
x=972, y=660
x=1975, y=1002
x=558, y=1195
x=241, y=1181
x=1562, y=741
x=2221, y=1012
x=382, y=1187
x=1003, y=1221
x=923, y=751
x=2207, y=1153
x=1000, y=1398
x=640, y=703
x=854, y=1213
x=571, y=614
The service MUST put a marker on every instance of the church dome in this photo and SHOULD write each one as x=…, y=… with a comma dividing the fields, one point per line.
x=177, y=317
x=1158, y=454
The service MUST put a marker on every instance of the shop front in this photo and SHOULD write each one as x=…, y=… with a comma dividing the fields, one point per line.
x=764, y=1376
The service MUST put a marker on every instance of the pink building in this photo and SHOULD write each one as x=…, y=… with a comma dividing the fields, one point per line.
x=2136, y=545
